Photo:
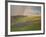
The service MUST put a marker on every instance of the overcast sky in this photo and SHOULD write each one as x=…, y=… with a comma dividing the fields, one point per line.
x=27, y=10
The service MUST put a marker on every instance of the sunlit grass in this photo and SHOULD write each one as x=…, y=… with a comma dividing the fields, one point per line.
x=36, y=23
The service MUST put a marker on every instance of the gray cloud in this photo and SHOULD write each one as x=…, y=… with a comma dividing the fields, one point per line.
x=25, y=10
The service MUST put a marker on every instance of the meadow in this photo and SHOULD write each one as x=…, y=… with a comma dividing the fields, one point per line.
x=26, y=23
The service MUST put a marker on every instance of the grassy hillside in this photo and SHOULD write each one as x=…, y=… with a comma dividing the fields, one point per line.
x=35, y=23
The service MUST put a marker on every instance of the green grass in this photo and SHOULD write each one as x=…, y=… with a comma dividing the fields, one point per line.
x=36, y=25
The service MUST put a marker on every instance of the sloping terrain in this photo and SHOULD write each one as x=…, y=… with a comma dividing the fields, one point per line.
x=25, y=23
